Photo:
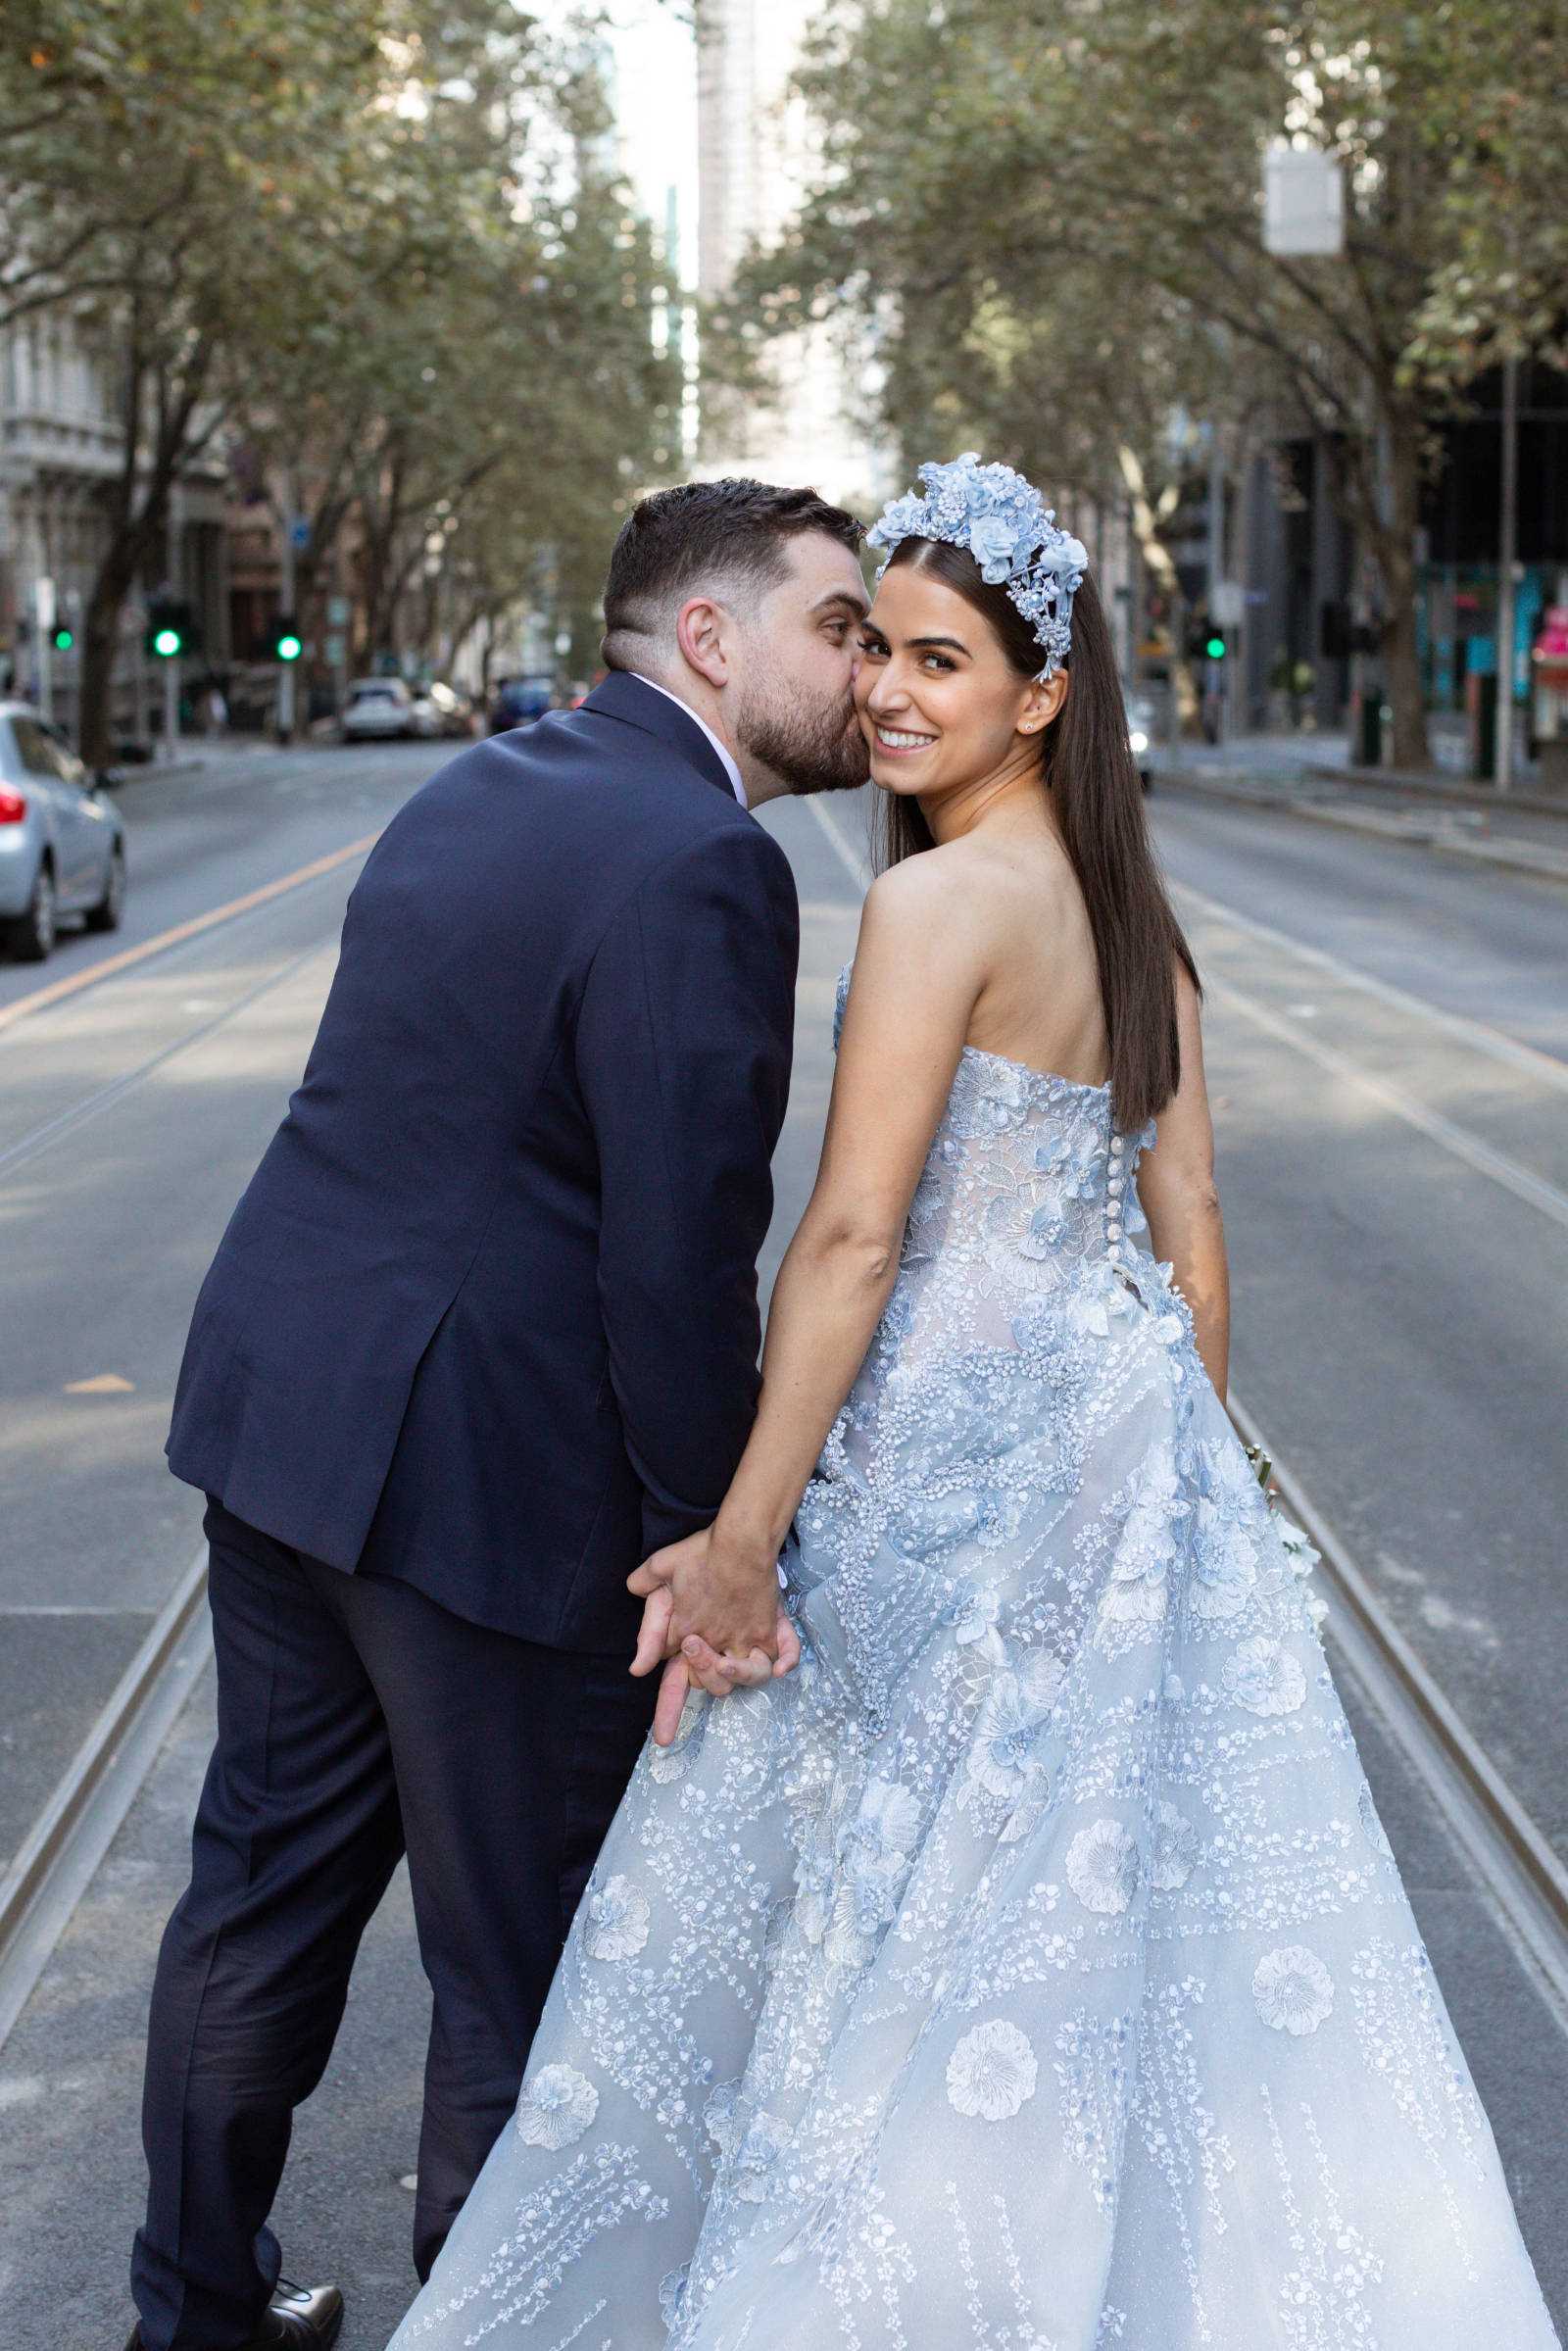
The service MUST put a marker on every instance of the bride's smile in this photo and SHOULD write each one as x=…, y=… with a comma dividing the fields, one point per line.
x=947, y=717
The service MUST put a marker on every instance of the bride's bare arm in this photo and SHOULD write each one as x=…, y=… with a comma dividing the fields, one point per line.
x=1176, y=1185
x=918, y=968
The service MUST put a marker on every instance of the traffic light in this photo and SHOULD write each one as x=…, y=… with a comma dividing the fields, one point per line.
x=171, y=629
x=287, y=643
x=65, y=638
x=1214, y=646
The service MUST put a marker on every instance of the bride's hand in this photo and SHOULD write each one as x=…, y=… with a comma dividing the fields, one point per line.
x=672, y=1586
x=721, y=1590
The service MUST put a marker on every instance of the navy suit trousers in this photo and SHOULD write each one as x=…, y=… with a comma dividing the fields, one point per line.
x=358, y=1720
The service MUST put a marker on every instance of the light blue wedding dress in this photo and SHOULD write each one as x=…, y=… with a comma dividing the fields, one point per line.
x=1029, y=1971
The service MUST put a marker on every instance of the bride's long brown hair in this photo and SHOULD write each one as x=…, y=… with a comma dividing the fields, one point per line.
x=1087, y=766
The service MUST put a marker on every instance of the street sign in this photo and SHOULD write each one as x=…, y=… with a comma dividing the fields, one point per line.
x=1227, y=602
x=1304, y=201
x=299, y=534
x=43, y=597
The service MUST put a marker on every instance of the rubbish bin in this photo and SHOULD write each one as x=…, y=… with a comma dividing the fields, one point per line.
x=1484, y=719
x=1369, y=728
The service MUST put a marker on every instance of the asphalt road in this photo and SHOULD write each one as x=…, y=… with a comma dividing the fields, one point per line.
x=1391, y=1130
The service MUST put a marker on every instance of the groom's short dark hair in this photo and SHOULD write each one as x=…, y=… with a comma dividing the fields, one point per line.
x=713, y=535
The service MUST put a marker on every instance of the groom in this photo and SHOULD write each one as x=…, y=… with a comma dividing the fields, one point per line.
x=481, y=1332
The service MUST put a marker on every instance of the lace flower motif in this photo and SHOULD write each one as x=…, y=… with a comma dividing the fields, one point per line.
x=556, y=2107
x=1015, y=1721
x=1224, y=1560
x=617, y=1921
x=1292, y=1989
x=1263, y=1677
x=975, y=1614
x=1103, y=1868
x=747, y=2138
x=1146, y=1548
x=672, y=2294
x=1177, y=1849
x=992, y=2071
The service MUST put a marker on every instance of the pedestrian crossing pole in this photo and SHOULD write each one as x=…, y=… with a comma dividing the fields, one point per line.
x=172, y=665
x=285, y=681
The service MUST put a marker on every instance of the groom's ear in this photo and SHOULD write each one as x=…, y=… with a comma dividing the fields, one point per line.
x=704, y=631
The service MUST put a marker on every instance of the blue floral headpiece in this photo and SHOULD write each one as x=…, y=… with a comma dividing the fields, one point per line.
x=1005, y=524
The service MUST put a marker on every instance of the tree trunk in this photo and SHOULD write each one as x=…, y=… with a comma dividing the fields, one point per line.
x=100, y=642
x=1393, y=550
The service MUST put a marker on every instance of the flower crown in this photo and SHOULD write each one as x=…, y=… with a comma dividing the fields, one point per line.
x=1003, y=522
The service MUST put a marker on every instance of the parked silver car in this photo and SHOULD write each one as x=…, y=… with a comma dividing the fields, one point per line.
x=61, y=841
x=379, y=710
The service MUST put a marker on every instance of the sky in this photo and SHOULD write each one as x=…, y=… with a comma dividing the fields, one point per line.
x=655, y=103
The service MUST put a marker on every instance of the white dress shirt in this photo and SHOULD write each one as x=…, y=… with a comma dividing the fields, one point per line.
x=723, y=749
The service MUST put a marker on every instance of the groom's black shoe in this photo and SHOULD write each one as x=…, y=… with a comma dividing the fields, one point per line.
x=302, y=2318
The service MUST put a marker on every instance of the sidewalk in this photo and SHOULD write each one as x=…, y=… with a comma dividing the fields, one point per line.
x=1310, y=776
x=230, y=753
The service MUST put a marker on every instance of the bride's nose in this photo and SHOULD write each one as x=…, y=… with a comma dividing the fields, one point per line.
x=886, y=697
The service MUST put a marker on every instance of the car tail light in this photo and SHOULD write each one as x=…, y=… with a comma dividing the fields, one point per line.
x=12, y=807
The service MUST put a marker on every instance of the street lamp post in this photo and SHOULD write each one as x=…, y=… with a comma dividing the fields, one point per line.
x=1507, y=542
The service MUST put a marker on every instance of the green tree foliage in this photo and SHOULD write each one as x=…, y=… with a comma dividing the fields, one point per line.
x=370, y=243
x=1053, y=217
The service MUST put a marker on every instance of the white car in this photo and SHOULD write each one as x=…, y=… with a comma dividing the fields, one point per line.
x=440, y=712
x=379, y=710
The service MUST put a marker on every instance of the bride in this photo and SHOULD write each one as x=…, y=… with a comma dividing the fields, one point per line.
x=1027, y=1969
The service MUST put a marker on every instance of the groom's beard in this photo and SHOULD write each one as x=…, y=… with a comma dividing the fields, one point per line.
x=822, y=752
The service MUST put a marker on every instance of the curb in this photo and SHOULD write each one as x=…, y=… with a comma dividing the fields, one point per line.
x=1386, y=824
x=1459, y=794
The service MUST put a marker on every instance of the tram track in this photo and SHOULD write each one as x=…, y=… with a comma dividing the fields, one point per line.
x=1525, y=1882
x=75, y=1115
x=1517, y=1867
x=1521, y=1878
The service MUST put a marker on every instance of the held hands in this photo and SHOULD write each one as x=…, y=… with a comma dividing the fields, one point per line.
x=745, y=1636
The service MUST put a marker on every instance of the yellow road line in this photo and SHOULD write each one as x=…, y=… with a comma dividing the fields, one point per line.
x=40, y=997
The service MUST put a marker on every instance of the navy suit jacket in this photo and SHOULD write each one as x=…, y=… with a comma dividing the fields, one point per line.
x=485, y=1319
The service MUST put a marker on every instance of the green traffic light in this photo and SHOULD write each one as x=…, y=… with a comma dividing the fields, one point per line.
x=64, y=640
x=289, y=649
x=167, y=643
x=1215, y=649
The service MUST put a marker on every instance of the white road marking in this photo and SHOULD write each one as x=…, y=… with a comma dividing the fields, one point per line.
x=856, y=867
x=1533, y=1190
x=1484, y=1039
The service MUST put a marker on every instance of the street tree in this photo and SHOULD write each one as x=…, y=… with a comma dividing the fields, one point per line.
x=1099, y=165
x=163, y=175
x=372, y=250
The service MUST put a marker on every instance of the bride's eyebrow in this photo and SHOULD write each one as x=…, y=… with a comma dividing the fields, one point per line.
x=945, y=644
